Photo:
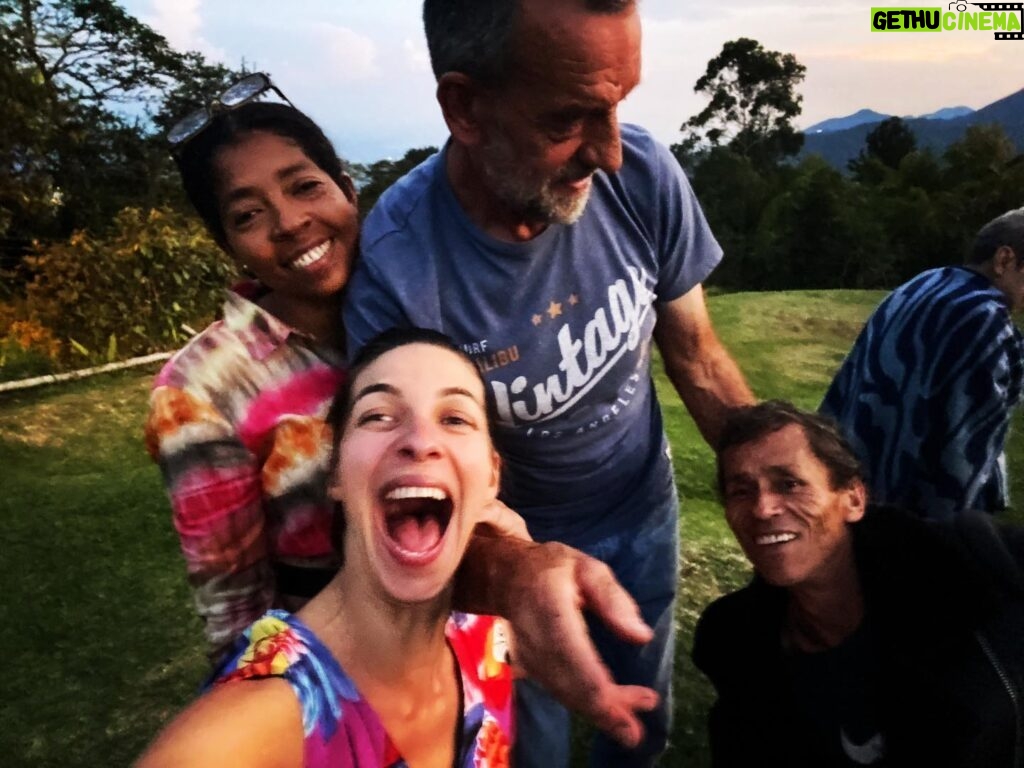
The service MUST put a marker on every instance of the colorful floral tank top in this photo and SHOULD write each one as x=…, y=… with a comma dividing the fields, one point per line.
x=341, y=730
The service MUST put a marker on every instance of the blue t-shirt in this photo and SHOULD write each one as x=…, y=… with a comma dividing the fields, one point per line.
x=926, y=393
x=560, y=326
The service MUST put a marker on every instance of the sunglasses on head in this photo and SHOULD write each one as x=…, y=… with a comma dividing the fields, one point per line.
x=242, y=92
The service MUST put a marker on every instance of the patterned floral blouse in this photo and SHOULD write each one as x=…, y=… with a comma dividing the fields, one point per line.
x=341, y=729
x=236, y=424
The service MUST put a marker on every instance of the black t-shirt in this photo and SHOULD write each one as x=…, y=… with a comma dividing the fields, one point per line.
x=837, y=691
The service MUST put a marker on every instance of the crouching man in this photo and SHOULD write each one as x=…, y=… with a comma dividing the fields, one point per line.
x=866, y=637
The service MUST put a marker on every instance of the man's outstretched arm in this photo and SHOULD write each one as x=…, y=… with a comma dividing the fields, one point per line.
x=701, y=369
x=542, y=590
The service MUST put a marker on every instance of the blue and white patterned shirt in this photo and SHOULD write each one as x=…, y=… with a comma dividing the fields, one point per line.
x=926, y=393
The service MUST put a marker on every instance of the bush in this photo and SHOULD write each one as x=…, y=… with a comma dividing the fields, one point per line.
x=128, y=292
x=27, y=349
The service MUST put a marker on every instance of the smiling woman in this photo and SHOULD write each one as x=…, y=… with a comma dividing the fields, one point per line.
x=237, y=416
x=379, y=671
x=287, y=222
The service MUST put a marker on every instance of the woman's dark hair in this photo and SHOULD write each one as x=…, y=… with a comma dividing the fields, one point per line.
x=196, y=158
x=341, y=407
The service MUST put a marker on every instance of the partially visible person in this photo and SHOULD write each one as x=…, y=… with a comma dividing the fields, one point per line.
x=557, y=248
x=376, y=670
x=926, y=394
x=868, y=637
x=237, y=417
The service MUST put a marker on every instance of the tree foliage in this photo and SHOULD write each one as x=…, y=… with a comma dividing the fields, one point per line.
x=809, y=226
x=786, y=225
x=87, y=51
x=131, y=288
x=753, y=101
x=85, y=88
x=887, y=144
x=373, y=179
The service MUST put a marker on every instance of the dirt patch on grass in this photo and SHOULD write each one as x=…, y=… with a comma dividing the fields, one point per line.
x=59, y=414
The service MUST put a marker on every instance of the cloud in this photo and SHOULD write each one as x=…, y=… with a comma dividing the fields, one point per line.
x=180, y=21
x=417, y=55
x=362, y=69
x=349, y=55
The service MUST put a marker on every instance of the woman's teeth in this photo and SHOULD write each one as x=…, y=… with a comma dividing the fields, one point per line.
x=312, y=256
x=415, y=492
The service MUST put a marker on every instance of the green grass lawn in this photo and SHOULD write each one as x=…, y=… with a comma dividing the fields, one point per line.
x=97, y=616
x=97, y=611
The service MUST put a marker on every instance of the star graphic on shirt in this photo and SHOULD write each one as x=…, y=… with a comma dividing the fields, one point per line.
x=537, y=319
x=554, y=309
x=573, y=299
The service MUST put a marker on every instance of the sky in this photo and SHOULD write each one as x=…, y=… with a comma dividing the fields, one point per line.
x=360, y=67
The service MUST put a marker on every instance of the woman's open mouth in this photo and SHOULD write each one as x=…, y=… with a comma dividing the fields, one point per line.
x=416, y=519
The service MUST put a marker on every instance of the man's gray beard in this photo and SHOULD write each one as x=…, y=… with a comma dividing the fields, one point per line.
x=531, y=199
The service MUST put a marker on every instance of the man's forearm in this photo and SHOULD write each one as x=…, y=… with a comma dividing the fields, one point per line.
x=709, y=384
x=702, y=371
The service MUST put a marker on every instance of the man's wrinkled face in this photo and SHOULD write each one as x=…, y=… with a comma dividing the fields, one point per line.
x=548, y=130
x=781, y=506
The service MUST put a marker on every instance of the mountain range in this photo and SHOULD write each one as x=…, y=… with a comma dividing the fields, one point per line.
x=865, y=116
x=840, y=139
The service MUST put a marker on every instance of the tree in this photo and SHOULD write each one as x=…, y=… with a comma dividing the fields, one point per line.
x=70, y=157
x=814, y=234
x=25, y=184
x=373, y=179
x=752, y=104
x=734, y=194
x=87, y=51
x=888, y=143
x=983, y=177
x=128, y=291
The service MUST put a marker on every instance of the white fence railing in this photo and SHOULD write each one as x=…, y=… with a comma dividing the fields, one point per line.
x=56, y=378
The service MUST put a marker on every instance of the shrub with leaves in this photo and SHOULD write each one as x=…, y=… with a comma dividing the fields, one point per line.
x=129, y=291
x=26, y=349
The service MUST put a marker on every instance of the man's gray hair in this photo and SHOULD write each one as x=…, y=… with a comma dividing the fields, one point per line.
x=474, y=37
x=1007, y=229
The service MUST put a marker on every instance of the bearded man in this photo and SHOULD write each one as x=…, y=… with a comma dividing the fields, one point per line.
x=554, y=245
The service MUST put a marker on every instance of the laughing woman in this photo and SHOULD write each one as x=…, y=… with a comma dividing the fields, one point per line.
x=377, y=670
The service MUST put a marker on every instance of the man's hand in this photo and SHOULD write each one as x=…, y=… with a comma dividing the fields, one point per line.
x=504, y=521
x=542, y=590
